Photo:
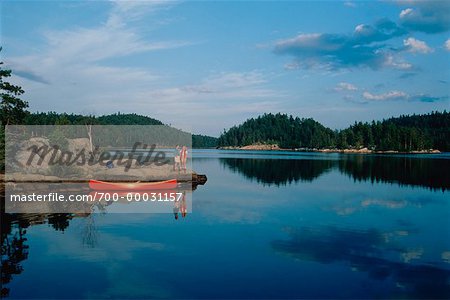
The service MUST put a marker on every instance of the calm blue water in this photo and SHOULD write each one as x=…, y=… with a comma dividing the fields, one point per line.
x=265, y=225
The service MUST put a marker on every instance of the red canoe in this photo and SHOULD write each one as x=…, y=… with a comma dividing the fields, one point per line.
x=134, y=186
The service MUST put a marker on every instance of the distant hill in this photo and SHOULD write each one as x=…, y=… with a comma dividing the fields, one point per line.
x=53, y=118
x=128, y=119
x=281, y=129
x=404, y=133
x=203, y=141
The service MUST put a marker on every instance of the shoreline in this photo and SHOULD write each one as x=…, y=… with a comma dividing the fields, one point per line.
x=326, y=150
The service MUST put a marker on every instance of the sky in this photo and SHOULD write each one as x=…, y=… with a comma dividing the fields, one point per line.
x=207, y=66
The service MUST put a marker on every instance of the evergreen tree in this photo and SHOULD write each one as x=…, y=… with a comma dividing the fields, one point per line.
x=13, y=109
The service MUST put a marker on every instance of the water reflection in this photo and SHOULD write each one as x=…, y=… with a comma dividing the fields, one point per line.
x=179, y=206
x=90, y=232
x=278, y=171
x=14, y=247
x=351, y=206
x=369, y=251
x=403, y=170
x=236, y=226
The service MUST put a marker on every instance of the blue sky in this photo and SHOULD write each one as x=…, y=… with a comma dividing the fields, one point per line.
x=207, y=66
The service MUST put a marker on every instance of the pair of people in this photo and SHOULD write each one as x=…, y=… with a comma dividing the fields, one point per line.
x=180, y=158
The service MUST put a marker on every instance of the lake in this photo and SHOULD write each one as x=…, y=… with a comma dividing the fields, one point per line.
x=265, y=225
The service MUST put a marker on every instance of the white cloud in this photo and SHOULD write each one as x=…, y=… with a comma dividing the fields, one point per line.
x=221, y=99
x=361, y=49
x=416, y=46
x=447, y=45
x=292, y=66
x=236, y=79
x=397, y=64
x=399, y=95
x=305, y=40
x=75, y=57
x=125, y=11
x=349, y=4
x=364, y=30
x=227, y=89
x=230, y=86
x=406, y=12
x=345, y=86
x=392, y=95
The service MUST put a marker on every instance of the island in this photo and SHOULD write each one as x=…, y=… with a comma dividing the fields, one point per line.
x=414, y=134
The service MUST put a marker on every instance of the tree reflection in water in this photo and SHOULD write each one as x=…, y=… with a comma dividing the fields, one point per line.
x=14, y=249
x=278, y=171
x=90, y=232
x=403, y=170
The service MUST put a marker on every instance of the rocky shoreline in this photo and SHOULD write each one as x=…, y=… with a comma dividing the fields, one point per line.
x=41, y=166
x=256, y=147
x=275, y=147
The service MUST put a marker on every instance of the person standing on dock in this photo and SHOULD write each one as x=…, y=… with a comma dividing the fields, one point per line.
x=183, y=156
x=176, y=158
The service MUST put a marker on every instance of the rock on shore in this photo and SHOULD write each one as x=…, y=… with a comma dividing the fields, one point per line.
x=41, y=167
x=256, y=147
x=275, y=147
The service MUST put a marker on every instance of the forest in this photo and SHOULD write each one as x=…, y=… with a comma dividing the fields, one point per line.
x=404, y=133
x=53, y=118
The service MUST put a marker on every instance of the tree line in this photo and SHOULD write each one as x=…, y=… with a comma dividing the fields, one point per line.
x=404, y=133
x=53, y=118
